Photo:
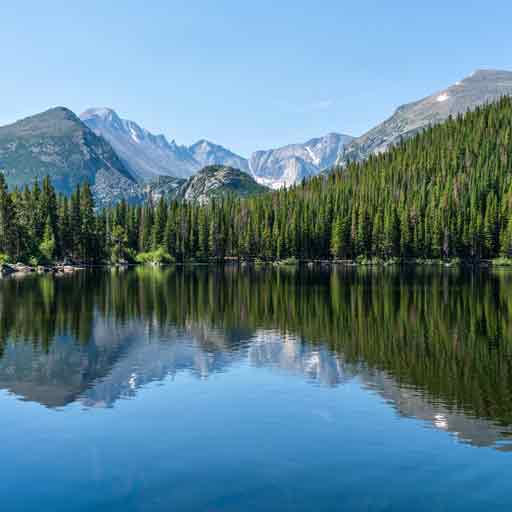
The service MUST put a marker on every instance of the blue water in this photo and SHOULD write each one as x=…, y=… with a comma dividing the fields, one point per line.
x=193, y=416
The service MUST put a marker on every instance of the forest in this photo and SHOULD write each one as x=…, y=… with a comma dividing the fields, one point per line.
x=445, y=193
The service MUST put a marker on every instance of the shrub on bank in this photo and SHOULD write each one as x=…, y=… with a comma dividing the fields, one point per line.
x=157, y=257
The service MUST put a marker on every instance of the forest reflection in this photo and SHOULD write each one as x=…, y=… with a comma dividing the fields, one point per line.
x=435, y=344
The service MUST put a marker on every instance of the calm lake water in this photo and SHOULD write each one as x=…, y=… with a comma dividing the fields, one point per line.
x=256, y=390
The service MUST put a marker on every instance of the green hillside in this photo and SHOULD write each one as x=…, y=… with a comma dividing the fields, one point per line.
x=56, y=143
x=445, y=193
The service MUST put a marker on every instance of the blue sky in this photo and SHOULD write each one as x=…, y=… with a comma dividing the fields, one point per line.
x=247, y=75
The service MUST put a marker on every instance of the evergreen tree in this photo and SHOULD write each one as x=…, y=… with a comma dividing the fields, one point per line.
x=47, y=245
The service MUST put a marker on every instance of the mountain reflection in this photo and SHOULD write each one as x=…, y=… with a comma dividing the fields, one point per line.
x=435, y=345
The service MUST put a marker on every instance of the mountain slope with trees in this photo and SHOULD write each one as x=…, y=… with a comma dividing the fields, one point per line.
x=480, y=88
x=56, y=143
x=445, y=193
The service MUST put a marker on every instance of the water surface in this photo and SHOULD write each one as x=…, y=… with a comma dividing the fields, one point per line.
x=256, y=389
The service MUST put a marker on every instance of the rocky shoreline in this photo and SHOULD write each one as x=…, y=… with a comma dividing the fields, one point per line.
x=61, y=269
x=58, y=269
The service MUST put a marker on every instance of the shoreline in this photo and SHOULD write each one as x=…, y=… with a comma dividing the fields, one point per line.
x=7, y=269
x=59, y=269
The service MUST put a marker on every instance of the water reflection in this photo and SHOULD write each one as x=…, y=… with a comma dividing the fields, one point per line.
x=435, y=345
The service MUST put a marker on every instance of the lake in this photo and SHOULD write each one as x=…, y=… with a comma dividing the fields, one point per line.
x=256, y=389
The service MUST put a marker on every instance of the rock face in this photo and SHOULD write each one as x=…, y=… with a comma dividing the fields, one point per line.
x=290, y=164
x=216, y=181
x=483, y=86
x=58, y=144
x=148, y=155
x=145, y=154
x=164, y=186
x=207, y=153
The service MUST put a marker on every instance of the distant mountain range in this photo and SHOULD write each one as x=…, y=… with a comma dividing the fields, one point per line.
x=145, y=154
x=57, y=143
x=208, y=153
x=290, y=164
x=119, y=158
x=148, y=155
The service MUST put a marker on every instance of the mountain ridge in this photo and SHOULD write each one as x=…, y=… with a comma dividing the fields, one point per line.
x=149, y=155
x=480, y=87
x=209, y=153
x=56, y=143
x=288, y=165
x=119, y=158
x=146, y=154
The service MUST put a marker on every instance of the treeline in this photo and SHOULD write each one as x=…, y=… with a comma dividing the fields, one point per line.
x=39, y=226
x=445, y=193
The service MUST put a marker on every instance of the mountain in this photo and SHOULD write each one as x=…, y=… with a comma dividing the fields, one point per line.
x=290, y=164
x=167, y=186
x=58, y=144
x=218, y=180
x=483, y=86
x=207, y=153
x=148, y=155
x=145, y=154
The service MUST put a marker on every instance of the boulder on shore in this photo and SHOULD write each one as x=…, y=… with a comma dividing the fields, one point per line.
x=21, y=267
x=6, y=270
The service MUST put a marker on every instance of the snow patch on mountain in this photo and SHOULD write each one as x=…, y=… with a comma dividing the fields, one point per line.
x=134, y=135
x=481, y=87
x=288, y=165
x=314, y=158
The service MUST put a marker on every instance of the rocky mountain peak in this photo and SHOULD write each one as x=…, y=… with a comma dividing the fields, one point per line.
x=216, y=181
x=288, y=165
x=481, y=87
x=148, y=155
x=58, y=144
x=208, y=153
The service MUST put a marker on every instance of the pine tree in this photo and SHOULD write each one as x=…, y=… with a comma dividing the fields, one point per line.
x=47, y=245
x=76, y=224
x=337, y=238
x=7, y=221
x=87, y=240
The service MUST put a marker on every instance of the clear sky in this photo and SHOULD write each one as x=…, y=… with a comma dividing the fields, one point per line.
x=247, y=75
